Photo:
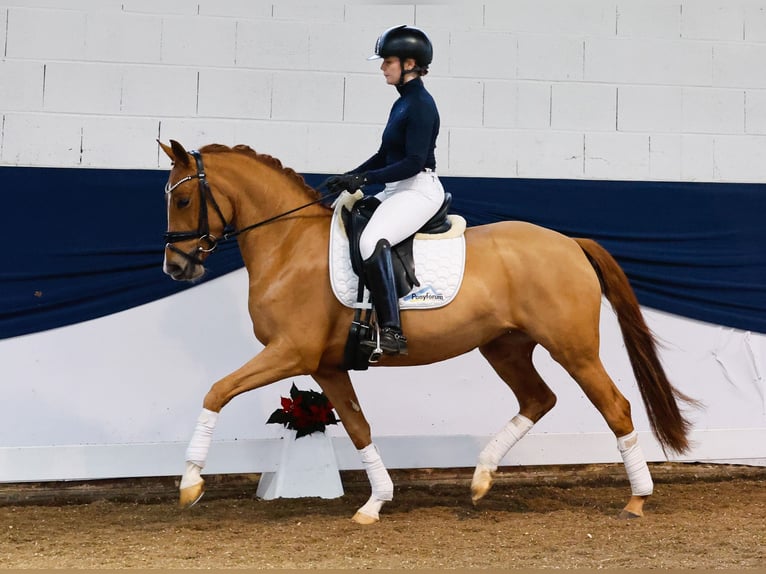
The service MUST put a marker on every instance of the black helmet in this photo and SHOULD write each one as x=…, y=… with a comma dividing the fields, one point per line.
x=405, y=42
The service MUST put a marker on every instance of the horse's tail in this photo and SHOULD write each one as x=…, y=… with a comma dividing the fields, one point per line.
x=660, y=397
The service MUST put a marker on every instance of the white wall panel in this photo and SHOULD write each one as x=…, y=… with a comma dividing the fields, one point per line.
x=739, y=65
x=555, y=17
x=195, y=133
x=665, y=157
x=21, y=85
x=236, y=8
x=381, y=15
x=714, y=111
x=650, y=108
x=367, y=99
x=509, y=104
x=449, y=15
x=490, y=153
x=345, y=52
x=163, y=7
x=199, y=41
x=755, y=112
x=712, y=20
x=62, y=32
x=698, y=158
x=649, y=19
x=287, y=141
x=459, y=100
x=85, y=88
x=3, y=28
x=41, y=140
x=549, y=154
x=233, y=93
x=483, y=54
x=105, y=140
x=269, y=44
x=111, y=36
x=159, y=91
x=640, y=61
x=590, y=107
x=755, y=22
x=496, y=66
x=616, y=156
x=309, y=10
x=740, y=159
x=550, y=58
x=308, y=97
x=341, y=150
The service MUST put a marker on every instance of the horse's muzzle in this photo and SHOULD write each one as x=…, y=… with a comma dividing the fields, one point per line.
x=182, y=267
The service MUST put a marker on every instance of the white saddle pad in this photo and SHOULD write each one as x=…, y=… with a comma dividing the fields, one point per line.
x=439, y=263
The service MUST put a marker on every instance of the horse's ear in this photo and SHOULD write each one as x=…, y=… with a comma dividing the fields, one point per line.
x=175, y=151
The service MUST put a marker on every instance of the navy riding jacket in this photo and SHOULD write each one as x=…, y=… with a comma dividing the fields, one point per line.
x=409, y=139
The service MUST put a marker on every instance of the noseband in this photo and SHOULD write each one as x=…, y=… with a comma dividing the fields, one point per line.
x=207, y=243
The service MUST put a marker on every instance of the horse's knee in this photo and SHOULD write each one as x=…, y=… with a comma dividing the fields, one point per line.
x=359, y=433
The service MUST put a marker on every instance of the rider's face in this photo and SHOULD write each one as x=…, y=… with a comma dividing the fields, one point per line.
x=392, y=69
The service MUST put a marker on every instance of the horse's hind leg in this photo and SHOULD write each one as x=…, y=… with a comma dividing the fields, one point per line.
x=511, y=357
x=586, y=368
x=337, y=386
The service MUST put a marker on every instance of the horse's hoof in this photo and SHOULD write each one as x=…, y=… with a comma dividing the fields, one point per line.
x=364, y=519
x=628, y=515
x=480, y=485
x=190, y=495
x=477, y=496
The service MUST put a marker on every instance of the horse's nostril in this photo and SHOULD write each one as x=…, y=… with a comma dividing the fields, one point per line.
x=173, y=269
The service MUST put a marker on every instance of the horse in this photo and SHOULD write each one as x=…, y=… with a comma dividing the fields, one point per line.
x=524, y=285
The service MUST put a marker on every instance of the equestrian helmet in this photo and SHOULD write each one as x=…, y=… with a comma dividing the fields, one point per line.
x=405, y=42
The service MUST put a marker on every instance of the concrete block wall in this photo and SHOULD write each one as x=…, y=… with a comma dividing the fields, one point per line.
x=604, y=89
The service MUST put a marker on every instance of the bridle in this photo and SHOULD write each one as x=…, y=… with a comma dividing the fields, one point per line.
x=206, y=242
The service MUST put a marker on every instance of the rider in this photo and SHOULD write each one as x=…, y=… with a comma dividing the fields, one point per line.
x=405, y=162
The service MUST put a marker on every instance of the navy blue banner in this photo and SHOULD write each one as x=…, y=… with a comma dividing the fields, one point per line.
x=84, y=243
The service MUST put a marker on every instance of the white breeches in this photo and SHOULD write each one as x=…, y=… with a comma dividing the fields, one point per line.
x=406, y=206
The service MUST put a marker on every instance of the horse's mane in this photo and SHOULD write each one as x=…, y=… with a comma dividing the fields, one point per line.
x=265, y=159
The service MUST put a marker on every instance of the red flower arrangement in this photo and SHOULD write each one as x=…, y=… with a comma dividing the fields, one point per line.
x=305, y=412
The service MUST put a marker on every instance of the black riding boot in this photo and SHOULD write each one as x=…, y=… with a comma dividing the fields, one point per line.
x=379, y=274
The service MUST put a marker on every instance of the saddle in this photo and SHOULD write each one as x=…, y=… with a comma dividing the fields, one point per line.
x=357, y=218
x=355, y=355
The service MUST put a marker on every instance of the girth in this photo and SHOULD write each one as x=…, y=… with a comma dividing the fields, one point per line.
x=356, y=219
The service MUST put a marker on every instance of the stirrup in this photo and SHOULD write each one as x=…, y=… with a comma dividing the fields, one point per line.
x=387, y=340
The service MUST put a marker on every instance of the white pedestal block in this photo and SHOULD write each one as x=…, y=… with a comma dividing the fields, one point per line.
x=307, y=468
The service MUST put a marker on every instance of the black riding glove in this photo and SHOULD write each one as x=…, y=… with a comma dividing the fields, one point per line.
x=347, y=182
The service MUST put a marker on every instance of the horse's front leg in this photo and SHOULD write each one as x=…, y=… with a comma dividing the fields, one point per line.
x=337, y=386
x=274, y=363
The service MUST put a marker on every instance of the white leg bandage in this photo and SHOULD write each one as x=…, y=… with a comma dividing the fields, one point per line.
x=199, y=445
x=380, y=481
x=635, y=464
x=502, y=442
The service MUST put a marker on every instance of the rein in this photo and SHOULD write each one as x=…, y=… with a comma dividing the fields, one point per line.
x=207, y=243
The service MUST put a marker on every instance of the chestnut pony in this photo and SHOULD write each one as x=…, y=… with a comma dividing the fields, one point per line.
x=524, y=286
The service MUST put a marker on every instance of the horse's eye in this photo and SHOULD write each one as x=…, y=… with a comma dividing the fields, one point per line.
x=182, y=202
